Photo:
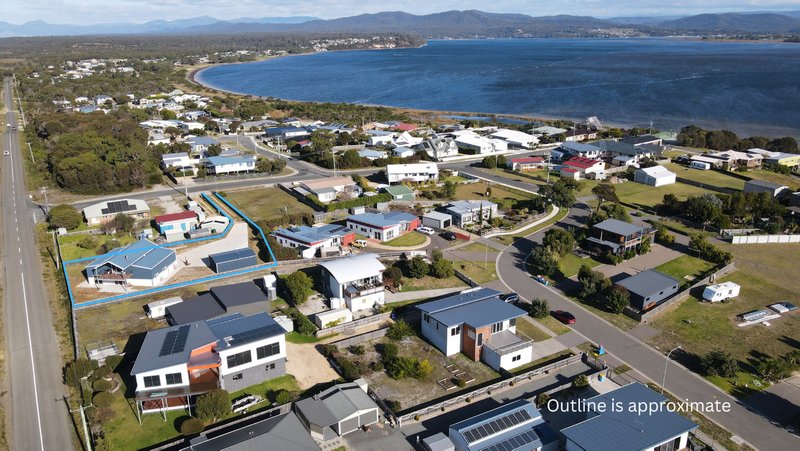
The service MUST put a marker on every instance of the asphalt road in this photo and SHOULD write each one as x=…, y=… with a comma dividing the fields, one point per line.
x=684, y=384
x=37, y=413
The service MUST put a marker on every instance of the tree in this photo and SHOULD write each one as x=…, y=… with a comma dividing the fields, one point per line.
x=719, y=363
x=399, y=330
x=617, y=298
x=65, y=216
x=560, y=193
x=394, y=274
x=539, y=308
x=322, y=141
x=123, y=223
x=544, y=261
x=787, y=144
x=559, y=241
x=212, y=405
x=773, y=369
x=442, y=269
x=703, y=209
x=214, y=150
x=437, y=255
x=417, y=267
x=592, y=282
x=605, y=192
x=645, y=246
x=299, y=287
x=168, y=115
x=76, y=370
x=449, y=189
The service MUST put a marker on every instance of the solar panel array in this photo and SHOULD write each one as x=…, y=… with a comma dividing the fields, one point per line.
x=495, y=426
x=515, y=442
x=174, y=341
x=117, y=206
x=256, y=334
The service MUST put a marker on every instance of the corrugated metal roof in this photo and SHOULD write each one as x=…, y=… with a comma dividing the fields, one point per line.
x=183, y=215
x=497, y=426
x=355, y=267
x=142, y=253
x=309, y=235
x=197, y=308
x=149, y=357
x=477, y=308
x=627, y=430
x=648, y=282
x=617, y=226
x=335, y=404
x=284, y=433
x=382, y=219
x=238, y=294
x=236, y=254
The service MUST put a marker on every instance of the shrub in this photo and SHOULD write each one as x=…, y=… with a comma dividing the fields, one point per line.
x=192, y=426
x=539, y=308
x=102, y=399
x=719, y=363
x=399, y=330
x=283, y=397
x=393, y=405
x=394, y=274
x=101, y=372
x=212, y=405
x=376, y=366
x=349, y=369
x=389, y=350
x=113, y=362
x=356, y=349
x=65, y=216
x=329, y=349
x=78, y=369
x=461, y=382
x=416, y=417
x=418, y=268
x=442, y=269
x=422, y=369
x=87, y=242
x=541, y=400
x=617, y=299
x=580, y=382
x=298, y=286
x=400, y=367
x=101, y=385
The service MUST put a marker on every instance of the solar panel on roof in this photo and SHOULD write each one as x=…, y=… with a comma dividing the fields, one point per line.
x=495, y=426
x=255, y=334
x=117, y=206
x=174, y=341
x=515, y=442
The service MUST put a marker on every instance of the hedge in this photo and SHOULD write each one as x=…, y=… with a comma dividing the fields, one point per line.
x=351, y=203
x=101, y=385
x=102, y=399
x=192, y=426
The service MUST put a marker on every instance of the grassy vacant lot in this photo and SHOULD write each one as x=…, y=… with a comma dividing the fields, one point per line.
x=526, y=326
x=509, y=239
x=411, y=392
x=685, y=268
x=648, y=196
x=266, y=203
x=478, y=247
x=407, y=240
x=570, y=264
x=123, y=431
x=789, y=180
x=430, y=283
x=477, y=271
x=710, y=177
x=765, y=273
x=476, y=191
x=71, y=251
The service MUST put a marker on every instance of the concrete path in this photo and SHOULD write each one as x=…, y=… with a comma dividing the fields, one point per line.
x=657, y=256
x=236, y=239
x=421, y=294
x=374, y=245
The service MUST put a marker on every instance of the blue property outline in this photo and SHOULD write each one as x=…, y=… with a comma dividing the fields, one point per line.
x=120, y=297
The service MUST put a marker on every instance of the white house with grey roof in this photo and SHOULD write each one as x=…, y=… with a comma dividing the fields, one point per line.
x=762, y=186
x=465, y=212
x=516, y=425
x=416, y=172
x=355, y=282
x=607, y=429
x=479, y=324
x=140, y=264
x=337, y=411
x=105, y=211
x=175, y=364
x=655, y=176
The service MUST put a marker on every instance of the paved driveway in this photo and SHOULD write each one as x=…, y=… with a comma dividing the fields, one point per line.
x=657, y=256
x=236, y=239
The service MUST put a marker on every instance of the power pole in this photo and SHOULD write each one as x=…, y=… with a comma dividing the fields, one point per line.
x=43, y=190
x=85, y=426
x=33, y=160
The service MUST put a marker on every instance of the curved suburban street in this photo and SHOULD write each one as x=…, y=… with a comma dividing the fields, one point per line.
x=627, y=349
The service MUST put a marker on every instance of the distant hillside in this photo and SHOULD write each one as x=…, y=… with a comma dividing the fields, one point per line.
x=771, y=23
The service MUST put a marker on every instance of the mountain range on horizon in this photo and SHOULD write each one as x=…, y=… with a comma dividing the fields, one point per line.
x=448, y=24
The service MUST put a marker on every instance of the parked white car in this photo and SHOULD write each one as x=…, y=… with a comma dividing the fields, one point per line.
x=425, y=230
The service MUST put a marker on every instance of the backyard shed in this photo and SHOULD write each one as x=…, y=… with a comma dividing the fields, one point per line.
x=233, y=260
x=333, y=317
x=158, y=309
x=649, y=288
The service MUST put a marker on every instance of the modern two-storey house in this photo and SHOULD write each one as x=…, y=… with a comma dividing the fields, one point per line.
x=139, y=264
x=480, y=325
x=354, y=282
x=617, y=237
x=177, y=363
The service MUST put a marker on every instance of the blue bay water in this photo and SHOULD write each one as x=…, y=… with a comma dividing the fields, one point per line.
x=750, y=88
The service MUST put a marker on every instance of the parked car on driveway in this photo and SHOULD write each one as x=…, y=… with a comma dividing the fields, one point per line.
x=449, y=236
x=425, y=230
x=510, y=297
x=564, y=317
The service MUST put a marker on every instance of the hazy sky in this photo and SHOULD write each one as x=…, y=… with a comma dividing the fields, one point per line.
x=105, y=11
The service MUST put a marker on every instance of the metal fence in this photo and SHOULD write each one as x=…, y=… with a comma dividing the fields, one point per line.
x=462, y=399
x=353, y=324
x=765, y=239
x=358, y=339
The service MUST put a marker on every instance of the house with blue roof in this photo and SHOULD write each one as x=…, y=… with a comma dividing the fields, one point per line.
x=177, y=364
x=139, y=264
x=514, y=426
x=231, y=165
x=477, y=323
x=310, y=240
x=383, y=226
x=371, y=154
x=607, y=429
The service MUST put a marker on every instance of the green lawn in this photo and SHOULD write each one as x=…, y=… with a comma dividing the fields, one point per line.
x=71, y=251
x=685, y=268
x=286, y=382
x=478, y=247
x=570, y=264
x=477, y=271
x=792, y=181
x=454, y=179
x=679, y=227
x=554, y=325
x=430, y=283
x=643, y=195
x=298, y=338
x=710, y=177
x=266, y=203
x=407, y=240
x=509, y=239
x=699, y=327
x=526, y=326
x=477, y=191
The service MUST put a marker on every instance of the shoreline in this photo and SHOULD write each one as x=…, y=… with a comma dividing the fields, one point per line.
x=193, y=78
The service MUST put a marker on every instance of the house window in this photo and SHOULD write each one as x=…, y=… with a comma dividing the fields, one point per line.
x=271, y=366
x=269, y=350
x=237, y=377
x=456, y=330
x=497, y=327
x=516, y=358
x=426, y=318
x=152, y=381
x=239, y=359
x=512, y=322
x=174, y=378
x=480, y=340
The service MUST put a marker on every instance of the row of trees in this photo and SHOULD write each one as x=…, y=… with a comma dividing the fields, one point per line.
x=727, y=210
x=418, y=268
x=598, y=288
x=694, y=136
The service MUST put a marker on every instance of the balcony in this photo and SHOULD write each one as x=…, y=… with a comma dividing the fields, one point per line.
x=113, y=276
x=363, y=288
x=506, y=342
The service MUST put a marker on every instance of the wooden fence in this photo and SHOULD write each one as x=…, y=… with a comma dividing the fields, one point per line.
x=358, y=339
x=353, y=324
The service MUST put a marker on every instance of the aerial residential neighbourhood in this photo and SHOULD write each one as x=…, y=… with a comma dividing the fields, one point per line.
x=455, y=241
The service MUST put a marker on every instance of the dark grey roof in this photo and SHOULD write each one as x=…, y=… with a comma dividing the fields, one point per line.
x=335, y=404
x=477, y=308
x=765, y=184
x=617, y=226
x=197, y=308
x=508, y=427
x=627, y=430
x=648, y=282
x=238, y=294
x=151, y=356
x=636, y=140
x=236, y=254
x=236, y=330
x=284, y=433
